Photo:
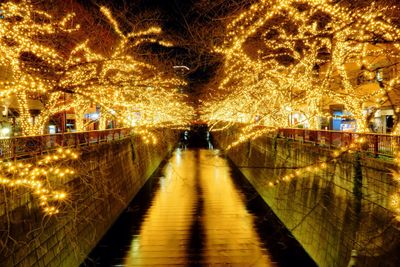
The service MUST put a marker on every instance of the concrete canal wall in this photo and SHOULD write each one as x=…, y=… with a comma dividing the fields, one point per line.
x=331, y=212
x=109, y=176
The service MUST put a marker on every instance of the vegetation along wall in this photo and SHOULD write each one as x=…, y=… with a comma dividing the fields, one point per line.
x=107, y=177
x=331, y=211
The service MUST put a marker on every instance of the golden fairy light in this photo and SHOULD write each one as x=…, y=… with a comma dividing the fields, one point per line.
x=39, y=67
x=301, y=57
x=394, y=200
x=36, y=65
x=292, y=56
x=40, y=178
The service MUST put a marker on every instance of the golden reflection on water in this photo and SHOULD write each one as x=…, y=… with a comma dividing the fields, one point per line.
x=197, y=216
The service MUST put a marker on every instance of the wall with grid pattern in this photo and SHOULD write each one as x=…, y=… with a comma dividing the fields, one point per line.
x=323, y=210
x=109, y=175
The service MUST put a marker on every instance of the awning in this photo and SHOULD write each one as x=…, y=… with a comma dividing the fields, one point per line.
x=12, y=103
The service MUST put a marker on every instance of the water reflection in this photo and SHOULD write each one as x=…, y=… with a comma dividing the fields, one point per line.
x=197, y=216
x=199, y=213
x=163, y=235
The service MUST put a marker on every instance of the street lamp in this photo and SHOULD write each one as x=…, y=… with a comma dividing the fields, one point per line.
x=182, y=67
x=289, y=109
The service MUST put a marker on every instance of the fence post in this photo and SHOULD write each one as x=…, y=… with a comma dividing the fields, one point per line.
x=341, y=139
x=14, y=149
x=376, y=146
x=41, y=145
x=76, y=139
x=353, y=258
x=320, y=137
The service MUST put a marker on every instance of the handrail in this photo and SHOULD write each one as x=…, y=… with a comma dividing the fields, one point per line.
x=29, y=146
x=376, y=144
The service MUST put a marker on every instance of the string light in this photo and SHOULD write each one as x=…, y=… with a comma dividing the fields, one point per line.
x=37, y=178
x=116, y=80
x=40, y=67
x=281, y=54
x=300, y=57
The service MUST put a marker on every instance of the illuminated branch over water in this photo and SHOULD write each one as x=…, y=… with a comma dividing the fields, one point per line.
x=45, y=57
x=291, y=56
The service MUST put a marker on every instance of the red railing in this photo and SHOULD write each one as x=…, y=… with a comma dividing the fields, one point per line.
x=376, y=144
x=28, y=146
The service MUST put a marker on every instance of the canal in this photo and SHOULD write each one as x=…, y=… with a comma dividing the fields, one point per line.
x=197, y=210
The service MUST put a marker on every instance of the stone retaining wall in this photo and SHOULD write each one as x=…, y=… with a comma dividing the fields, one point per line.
x=330, y=212
x=109, y=175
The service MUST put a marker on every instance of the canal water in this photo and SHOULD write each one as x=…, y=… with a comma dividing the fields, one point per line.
x=197, y=210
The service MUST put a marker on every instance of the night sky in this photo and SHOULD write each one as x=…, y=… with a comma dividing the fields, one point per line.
x=194, y=26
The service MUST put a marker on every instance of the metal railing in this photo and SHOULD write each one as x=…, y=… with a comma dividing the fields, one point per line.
x=28, y=146
x=376, y=144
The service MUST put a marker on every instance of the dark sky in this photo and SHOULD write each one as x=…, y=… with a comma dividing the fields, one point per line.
x=194, y=26
x=186, y=22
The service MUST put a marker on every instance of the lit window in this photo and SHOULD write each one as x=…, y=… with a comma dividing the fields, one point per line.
x=379, y=75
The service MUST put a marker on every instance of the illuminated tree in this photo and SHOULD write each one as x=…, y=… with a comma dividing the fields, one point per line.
x=300, y=56
x=43, y=67
x=42, y=178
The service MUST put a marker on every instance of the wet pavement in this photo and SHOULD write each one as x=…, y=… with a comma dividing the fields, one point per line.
x=198, y=211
